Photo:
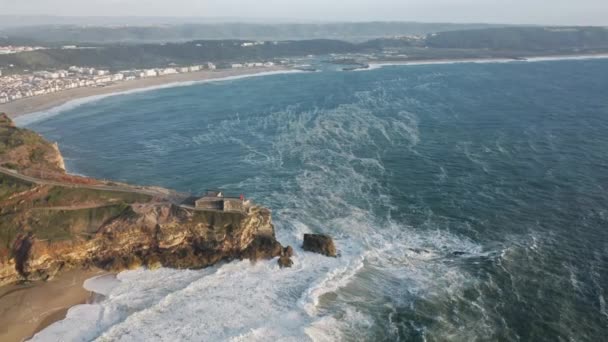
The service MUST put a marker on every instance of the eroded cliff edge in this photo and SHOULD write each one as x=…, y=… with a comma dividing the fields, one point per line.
x=51, y=221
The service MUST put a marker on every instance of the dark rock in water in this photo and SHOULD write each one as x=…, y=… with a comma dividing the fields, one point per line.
x=458, y=253
x=285, y=261
x=318, y=243
x=288, y=251
x=263, y=247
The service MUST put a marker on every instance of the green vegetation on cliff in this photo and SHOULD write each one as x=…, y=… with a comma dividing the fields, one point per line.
x=48, y=225
x=55, y=213
x=56, y=225
x=11, y=185
x=65, y=196
x=11, y=137
x=22, y=148
x=50, y=212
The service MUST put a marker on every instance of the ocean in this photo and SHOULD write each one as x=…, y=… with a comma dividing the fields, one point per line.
x=468, y=202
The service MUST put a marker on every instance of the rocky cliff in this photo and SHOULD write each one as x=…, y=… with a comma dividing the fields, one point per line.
x=47, y=227
x=23, y=149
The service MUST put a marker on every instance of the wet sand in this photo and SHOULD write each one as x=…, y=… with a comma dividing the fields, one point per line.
x=44, y=102
x=28, y=308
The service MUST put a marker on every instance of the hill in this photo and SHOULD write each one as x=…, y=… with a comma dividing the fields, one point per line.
x=119, y=56
x=522, y=38
x=143, y=32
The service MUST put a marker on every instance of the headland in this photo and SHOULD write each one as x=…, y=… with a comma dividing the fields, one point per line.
x=57, y=230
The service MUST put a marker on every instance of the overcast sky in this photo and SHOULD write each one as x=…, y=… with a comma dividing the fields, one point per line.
x=575, y=12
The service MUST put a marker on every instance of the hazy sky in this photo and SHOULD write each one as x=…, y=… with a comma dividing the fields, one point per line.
x=579, y=12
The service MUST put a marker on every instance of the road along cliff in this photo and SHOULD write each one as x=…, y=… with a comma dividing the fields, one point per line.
x=51, y=221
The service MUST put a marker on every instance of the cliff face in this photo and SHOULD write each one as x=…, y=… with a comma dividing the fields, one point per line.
x=150, y=234
x=46, y=227
x=22, y=149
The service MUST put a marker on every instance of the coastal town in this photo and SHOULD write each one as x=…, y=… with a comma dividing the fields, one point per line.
x=18, y=86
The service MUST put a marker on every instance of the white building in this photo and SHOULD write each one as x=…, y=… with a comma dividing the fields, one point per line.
x=148, y=73
x=47, y=75
x=167, y=71
x=78, y=70
x=103, y=79
x=118, y=77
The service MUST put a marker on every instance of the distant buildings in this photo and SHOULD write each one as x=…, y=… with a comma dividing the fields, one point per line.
x=15, y=87
x=167, y=71
x=10, y=49
x=149, y=73
x=248, y=44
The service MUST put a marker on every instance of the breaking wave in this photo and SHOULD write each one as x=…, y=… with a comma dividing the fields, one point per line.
x=453, y=220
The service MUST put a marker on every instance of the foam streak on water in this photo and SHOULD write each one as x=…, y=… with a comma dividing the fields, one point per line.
x=31, y=118
x=462, y=208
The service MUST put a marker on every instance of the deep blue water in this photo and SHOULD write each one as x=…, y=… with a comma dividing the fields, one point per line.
x=469, y=201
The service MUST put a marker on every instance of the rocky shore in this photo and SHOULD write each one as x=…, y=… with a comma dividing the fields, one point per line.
x=49, y=226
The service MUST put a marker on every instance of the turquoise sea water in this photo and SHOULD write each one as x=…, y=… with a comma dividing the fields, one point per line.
x=468, y=202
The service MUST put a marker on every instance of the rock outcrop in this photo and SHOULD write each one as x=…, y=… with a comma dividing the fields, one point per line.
x=285, y=258
x=152, y=234
x=50, y=226
x=22, y=149
x=285, y=261
x=318, y=243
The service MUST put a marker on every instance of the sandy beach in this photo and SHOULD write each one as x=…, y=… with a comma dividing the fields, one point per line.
x=28, y=308
x=44, y=102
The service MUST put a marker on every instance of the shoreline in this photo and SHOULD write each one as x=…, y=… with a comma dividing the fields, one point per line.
x=376, y=64
x=54, y=305
x=74, y=97
x=31, y=109
x=26, y=309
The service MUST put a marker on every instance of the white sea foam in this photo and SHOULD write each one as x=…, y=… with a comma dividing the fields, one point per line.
x=30, y=118
x=335, y=190
x=102, y=285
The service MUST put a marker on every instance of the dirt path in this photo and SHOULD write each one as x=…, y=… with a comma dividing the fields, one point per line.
x=170, y=196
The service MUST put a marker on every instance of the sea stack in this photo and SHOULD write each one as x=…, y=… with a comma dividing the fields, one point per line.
x=319, y=243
